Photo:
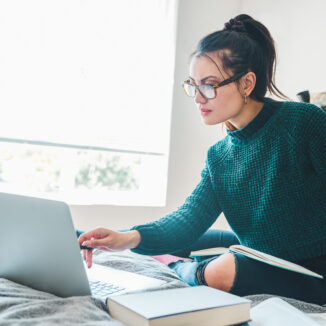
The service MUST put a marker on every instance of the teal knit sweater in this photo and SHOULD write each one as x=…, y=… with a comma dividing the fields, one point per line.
x=269, y=180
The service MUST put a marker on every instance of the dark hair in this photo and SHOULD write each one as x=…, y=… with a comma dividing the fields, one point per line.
x=245, y=45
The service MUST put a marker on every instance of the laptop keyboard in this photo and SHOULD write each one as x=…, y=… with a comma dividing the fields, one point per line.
x=103, y=289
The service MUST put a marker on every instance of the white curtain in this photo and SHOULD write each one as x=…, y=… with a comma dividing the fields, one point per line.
x=96, y=73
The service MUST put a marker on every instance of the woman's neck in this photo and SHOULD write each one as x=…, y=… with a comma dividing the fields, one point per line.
x=248, y=112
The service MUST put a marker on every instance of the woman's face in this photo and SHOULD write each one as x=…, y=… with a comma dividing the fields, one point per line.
x=228, y=103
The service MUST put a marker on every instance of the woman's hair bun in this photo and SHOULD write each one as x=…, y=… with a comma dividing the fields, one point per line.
x=234, y=25
x=238, y=23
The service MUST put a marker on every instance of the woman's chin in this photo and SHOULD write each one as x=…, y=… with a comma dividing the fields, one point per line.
x=211, y=122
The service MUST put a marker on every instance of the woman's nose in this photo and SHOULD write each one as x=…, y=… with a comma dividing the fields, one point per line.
x=199, y=98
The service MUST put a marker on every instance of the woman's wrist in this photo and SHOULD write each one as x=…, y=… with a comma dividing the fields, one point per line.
x=135, y=238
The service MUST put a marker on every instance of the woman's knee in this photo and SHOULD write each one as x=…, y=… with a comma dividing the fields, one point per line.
x=220, y=273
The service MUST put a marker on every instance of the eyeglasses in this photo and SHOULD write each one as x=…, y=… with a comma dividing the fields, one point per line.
x=208, y=90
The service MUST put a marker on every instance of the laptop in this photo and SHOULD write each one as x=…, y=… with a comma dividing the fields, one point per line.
x=39, y=248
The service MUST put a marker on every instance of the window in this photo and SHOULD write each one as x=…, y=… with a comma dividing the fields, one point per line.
x=86, y=87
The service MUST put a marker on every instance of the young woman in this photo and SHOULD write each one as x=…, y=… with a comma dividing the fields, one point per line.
x=268, y=177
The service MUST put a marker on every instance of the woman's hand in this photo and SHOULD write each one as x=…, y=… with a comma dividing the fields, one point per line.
x=108, y=240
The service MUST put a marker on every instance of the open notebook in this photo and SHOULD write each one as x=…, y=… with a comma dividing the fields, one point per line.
x=254, y=254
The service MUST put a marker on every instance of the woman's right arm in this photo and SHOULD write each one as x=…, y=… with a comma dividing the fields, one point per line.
x=172, y=232
x=107, y=240
x=184, y=226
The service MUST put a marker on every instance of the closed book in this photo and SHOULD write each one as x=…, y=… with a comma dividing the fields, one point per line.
x=254, y=254
x=191, y=306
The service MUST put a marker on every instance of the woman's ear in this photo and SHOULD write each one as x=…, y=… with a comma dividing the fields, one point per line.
x=248, y=82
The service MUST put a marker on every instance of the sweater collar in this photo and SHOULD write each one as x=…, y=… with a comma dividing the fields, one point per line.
x=254, y=125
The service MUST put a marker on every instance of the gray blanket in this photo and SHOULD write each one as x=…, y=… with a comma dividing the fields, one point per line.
x=21, y=305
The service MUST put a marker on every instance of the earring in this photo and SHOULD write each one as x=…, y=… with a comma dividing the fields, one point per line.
x=245, y=99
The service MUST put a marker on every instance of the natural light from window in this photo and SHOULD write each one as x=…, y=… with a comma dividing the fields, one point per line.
x=86, y=96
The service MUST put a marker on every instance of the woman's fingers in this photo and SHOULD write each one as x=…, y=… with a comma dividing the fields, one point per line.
x=95, y=243
x=94, y=234
x=84, y=254
x=86, y=236
x=89, y=256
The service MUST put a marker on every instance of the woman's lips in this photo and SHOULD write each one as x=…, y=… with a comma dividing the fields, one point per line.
x=204, y=112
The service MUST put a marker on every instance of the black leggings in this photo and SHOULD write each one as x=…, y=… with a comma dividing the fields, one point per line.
x=254, y=277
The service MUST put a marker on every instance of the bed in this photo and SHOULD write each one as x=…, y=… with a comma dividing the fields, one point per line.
x=21, y=305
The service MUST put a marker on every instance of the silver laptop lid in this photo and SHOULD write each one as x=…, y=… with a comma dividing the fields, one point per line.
x=38, y=246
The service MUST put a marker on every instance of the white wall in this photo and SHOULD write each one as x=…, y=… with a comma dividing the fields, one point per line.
x=298, y=27
x=299, y=30
x=190, y=139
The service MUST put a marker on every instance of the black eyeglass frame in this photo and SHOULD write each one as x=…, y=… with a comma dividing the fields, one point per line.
x=215, y=86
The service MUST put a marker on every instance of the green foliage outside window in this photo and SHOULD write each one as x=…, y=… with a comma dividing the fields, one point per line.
x=48, y=169
x=106, y=172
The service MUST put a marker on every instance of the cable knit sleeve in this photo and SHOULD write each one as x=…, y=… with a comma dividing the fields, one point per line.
x=185, y=225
